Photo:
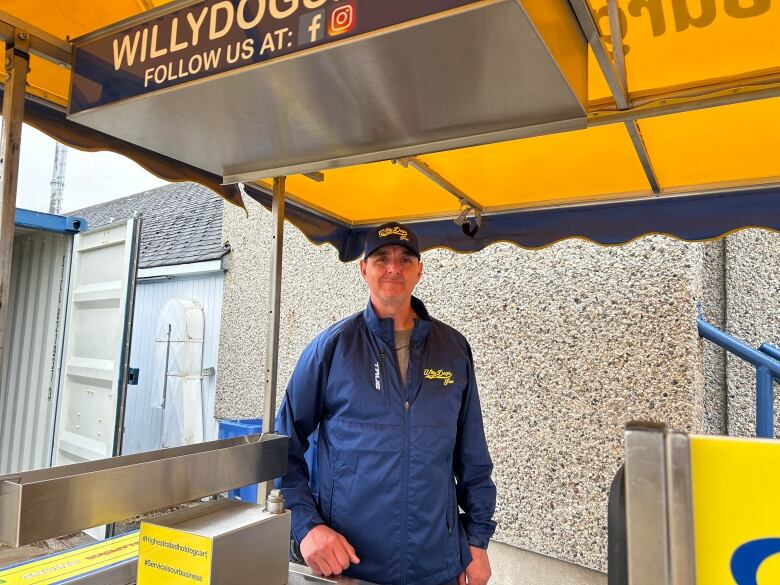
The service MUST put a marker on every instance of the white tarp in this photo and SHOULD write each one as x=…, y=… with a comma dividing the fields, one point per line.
x=177, y=372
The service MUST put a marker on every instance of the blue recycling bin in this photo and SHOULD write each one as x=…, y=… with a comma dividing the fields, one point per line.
x=229, y=429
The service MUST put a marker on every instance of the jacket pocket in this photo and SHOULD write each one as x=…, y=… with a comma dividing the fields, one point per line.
x=450, y=512
x=329, y=505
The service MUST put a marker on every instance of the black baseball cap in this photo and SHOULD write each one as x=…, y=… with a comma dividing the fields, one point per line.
x=388, y=234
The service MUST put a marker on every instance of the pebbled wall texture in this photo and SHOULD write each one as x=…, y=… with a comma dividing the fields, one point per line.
x=752, y=313
x=570, y=343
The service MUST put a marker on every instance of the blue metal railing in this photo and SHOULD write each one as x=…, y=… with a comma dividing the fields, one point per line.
x=766, y=360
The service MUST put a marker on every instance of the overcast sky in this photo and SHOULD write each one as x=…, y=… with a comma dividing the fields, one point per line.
x=90, y=177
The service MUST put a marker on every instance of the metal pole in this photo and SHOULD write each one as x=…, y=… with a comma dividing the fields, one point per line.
x=618, y=58
x=647, y=520
x=274, y=302
x=739, y=348
x=765, y=423
x=614, y=80
x=58, y=178
x=770, y=350
x=16, y=65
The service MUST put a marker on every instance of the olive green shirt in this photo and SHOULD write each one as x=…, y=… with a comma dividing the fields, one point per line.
x=402, y=340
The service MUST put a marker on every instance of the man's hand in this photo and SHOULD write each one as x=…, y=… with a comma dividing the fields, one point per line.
x=326, y=551
x=478, y=571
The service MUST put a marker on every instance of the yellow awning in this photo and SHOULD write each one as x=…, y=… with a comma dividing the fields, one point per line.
x=682, y=59
x=673, y=45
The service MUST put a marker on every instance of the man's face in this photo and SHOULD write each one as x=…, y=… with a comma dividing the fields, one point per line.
x=391, y=274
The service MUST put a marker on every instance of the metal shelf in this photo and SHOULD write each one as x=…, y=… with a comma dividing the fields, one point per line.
x=47, y=503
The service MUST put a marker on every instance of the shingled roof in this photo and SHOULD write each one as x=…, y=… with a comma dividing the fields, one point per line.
x=182, y=223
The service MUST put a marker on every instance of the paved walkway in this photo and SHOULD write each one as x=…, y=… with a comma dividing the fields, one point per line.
x=514, y=566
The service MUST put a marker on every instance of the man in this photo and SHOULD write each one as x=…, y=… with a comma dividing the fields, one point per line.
x=401, y=446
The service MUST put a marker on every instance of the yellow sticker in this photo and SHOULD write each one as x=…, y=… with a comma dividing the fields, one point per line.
x=736, y=510
x=167, y=556
x=56, y=568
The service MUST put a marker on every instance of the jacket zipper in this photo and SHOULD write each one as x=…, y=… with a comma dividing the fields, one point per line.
x=408, y=448
x=383, y=377
x=450, y=516
x=407, y=454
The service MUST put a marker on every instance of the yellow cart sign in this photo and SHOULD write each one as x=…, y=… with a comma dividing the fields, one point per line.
x=64, y=566
x=736, y=510
x=167, y=556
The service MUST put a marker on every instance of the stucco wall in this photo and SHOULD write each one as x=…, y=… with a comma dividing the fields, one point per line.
x=569, y=343
x=317, y=290
x=752, y=272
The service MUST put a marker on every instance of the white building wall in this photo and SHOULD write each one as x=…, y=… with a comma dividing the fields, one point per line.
x=143, y=424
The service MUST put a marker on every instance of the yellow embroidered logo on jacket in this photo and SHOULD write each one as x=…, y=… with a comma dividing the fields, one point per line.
x=445, y=377
x=394, y=231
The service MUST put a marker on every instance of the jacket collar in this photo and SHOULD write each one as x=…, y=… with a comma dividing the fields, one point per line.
x=384, y=328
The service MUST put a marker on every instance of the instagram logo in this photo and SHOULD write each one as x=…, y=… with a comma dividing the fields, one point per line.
x=342, y=19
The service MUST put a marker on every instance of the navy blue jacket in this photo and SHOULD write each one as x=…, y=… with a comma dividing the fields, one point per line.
x=395, y=462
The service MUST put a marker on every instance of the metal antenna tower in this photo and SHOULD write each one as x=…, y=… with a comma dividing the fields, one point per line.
x=58, y=178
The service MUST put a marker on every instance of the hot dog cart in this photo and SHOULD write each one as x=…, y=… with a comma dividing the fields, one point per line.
x=478, y=120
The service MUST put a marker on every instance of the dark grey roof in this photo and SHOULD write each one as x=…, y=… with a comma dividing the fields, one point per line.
x=182, y=223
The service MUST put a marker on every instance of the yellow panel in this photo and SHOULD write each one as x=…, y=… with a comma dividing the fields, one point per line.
x=598, y=90
x=73, y=18
x=671, y=44
x=734, y=503
x=374, y=192
x=167, y=556
x=577, y=166
x=572, y=166
x=717, y=146
x=66, y=20
x=46, y=80
x=77, y=562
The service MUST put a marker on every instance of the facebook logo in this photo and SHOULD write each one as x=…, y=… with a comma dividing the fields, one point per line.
x=311, y=27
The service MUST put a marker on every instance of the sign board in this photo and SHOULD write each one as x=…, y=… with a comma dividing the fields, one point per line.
x=213, y=37
x=173, y=556
x=736, y=510
x=222, y=542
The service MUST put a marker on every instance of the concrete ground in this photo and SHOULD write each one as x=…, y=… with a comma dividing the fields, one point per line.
x=514, y=566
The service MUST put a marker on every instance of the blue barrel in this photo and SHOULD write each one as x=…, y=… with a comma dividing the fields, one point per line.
x=229, y=429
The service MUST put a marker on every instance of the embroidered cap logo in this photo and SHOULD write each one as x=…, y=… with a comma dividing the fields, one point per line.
x=395, y=231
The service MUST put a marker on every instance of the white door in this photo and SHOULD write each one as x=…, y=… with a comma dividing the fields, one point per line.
x=97, y=342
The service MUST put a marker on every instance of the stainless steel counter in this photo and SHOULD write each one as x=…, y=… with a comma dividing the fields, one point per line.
x=302, y=575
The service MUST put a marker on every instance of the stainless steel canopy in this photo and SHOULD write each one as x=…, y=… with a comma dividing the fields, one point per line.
x=484, y=71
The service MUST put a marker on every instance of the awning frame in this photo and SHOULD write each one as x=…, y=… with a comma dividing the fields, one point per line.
x=22, y=40
x=41, y=44
x=624, y=111
x=17, y=63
